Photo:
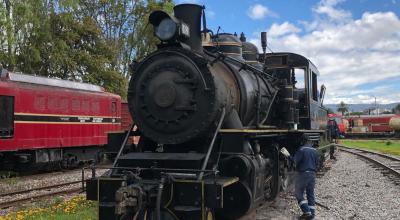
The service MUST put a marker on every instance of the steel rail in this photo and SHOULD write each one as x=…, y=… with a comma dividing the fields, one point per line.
x=386, y=167
x=17, y=201
x=30, y=175
x=371, y=152
x=39, y=188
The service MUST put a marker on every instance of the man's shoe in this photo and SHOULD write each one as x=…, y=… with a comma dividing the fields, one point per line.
x=306, y=216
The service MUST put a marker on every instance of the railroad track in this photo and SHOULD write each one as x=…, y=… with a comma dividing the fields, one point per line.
x=389, y=164
x=37, y=193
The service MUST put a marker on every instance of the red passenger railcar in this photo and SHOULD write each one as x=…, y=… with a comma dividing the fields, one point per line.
x=50, y=120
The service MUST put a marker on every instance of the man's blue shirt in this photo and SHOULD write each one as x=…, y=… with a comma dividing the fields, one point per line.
x=306, y=158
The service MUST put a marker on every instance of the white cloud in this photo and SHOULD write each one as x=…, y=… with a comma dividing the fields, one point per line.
x=328, y=8
x=277, y=30
x=259, y=11
x=357, y=58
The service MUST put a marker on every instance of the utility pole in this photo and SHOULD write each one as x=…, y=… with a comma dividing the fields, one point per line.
x=376, y=107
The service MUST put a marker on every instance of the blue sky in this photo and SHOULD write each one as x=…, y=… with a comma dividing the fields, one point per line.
x=354, y=43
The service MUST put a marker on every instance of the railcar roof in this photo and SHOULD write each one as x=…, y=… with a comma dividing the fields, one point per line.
x=39, y=80
x=293, y=60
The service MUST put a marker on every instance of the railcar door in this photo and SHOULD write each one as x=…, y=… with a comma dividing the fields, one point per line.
x=6, y=116
x=318, y=114
x=301, y=86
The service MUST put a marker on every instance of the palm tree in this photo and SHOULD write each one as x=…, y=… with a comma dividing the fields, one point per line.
x=342, y=107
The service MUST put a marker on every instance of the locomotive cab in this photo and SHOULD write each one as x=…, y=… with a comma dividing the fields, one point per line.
x=303, y=75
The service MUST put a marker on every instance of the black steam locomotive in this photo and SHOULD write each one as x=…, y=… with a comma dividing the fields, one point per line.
x=214, y=118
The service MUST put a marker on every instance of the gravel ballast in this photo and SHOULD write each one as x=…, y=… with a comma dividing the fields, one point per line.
x=352, y=189
x=35, y=181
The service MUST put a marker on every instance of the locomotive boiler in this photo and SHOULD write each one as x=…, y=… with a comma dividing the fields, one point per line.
x=213, y=122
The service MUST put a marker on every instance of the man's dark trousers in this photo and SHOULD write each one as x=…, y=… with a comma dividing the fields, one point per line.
x=306, y=182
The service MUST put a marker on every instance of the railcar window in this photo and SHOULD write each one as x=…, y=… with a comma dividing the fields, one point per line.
x=6, y=116
x=85, y=107
x=113, y=107
x=299, y=77
x=95, y=107
x=314, y=86
x=64, y=105
x=76, y=105
x=40, y=102
x=52, y=103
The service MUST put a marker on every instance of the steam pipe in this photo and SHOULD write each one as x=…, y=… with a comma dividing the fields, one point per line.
x=158, y=202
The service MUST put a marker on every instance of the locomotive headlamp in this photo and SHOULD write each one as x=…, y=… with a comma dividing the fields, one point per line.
x=168, y=28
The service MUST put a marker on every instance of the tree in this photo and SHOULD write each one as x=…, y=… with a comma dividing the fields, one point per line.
x=80, y=52
x=396, y=109
x=342, y=107
x=125, y=27
x=356, y=113
x=83, y=40
x=330, y=111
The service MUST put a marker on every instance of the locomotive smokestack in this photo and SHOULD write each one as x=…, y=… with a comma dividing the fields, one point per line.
x=264, y=41
x=191, y=15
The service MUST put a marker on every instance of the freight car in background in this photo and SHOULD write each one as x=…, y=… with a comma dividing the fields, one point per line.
x=373, y=126
x=368, y=126
x=53, y=121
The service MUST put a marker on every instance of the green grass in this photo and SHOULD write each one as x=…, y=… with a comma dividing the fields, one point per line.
x=76, y=208
x=384, y=146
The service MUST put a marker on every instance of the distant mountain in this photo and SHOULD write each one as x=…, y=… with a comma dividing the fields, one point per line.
x=362, y=107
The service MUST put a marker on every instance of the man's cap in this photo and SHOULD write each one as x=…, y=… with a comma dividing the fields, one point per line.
x=305, y=138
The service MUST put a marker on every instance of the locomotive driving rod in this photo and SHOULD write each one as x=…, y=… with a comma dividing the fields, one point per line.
x=211, y=145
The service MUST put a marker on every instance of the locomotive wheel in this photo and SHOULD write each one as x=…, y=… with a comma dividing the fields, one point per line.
x=150, y=214
x=274, y=179
x=210, y=215
x=284, y=179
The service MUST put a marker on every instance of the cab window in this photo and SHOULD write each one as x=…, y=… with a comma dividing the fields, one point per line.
x=314, y=86
x=299, y=77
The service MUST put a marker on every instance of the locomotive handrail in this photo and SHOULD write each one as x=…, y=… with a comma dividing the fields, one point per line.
x=212, y=143
x=253, y=69
x=268, y=130
x=123, y=143
x=153, y=168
